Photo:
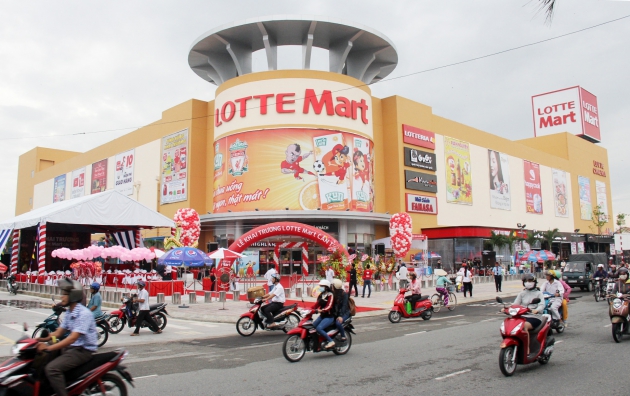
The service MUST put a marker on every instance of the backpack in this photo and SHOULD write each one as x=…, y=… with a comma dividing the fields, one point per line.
x=352, y=305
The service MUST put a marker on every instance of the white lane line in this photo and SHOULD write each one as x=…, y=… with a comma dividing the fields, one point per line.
x=608, y=325
x=447, y=317
x=488, y=320
x=179, y=327
x=557, y=342
x=175, y=356
x=146, y=376
x=452, y=374
x=258, y=346
x=160, y=351
x=419, y=332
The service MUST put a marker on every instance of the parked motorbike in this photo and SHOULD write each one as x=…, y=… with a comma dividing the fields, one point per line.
x=599, y=290
x=52, y=323
x=516, y=341
x=423, y=308
x=12, y=286
x=128, y=313
x=97, y=376
x=556, y=325
x=304, y=338
x=288, y=318
x=618, y=312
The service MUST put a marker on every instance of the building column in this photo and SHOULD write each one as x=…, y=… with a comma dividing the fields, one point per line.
x=343, y=232
x=238, y=229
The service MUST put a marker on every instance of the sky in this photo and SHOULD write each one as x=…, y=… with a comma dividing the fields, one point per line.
x=75, y=66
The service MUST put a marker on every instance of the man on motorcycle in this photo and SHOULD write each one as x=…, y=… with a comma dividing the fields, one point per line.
x=612, y=272
x=78, y=347
x=341, y=310
x=414, y=287
x=276, y=295
x=556, y=290
x=526, y=297
x=95, y=301
x=324, y=307
x=620, y=285
x=600, y=273
x=144, y=311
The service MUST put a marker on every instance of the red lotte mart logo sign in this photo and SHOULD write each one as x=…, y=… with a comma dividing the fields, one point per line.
x=418, y=137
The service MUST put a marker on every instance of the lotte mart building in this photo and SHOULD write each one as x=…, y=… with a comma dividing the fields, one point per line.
x=316, y=147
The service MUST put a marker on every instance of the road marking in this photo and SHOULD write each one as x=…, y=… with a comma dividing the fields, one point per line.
x=258, y=346
x=6, y=341
x=488, y=320
x=14, y=326
x=146, y=376
x=557, y=342
x=608, y=325
x=160, y=351
x=180, y=327
x=419, y=332
x=188, y=332
x=175, y=356
x=447, y=317
x=452, y=374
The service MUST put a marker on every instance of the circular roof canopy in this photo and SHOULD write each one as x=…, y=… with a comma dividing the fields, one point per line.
x=354, y=50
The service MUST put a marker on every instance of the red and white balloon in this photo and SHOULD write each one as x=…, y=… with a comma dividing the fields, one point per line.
x=188, y=220
x=400, y=232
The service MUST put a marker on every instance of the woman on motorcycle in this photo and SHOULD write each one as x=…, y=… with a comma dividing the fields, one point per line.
x=324, y=307
x=526, y=297
x=414, y=287
x=341, y=310
x=565, y=296
x=620, y=285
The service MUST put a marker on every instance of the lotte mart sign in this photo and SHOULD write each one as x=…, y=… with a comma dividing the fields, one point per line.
x=572, y=110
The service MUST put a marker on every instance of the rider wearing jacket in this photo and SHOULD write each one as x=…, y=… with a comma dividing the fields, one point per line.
x=95, y=301
x=414, y=287
x=341, y=308
x=600, y=273
x=324, y=307
x=620, y=285
x=556, y=290
x=526, y=297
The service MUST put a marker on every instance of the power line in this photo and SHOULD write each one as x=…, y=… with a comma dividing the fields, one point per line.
x=339, y=90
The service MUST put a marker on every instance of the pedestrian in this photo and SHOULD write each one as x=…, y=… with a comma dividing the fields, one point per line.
x=330, y=274
x=95, y=301
x=402, y=276
x=144, y=311
x=466, y=279
x=497, y=271
x=269, y=276
x=367, y=280
x=353, y=281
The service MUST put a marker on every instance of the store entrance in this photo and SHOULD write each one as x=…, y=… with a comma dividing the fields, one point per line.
x=290, y=261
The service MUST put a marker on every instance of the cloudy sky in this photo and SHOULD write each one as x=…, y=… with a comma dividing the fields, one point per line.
x=76, y=66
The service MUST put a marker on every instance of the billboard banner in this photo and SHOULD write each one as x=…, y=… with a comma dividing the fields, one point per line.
x=123, y=180
x=418, y=137
x=602, y=197
x=458, y=171
x=499, y=173
x=420, y=181
x=421, y=204
x=59, y=188
x=174, y=168
x=584, y=192
x=294, y=168
x=533, y=190
x=78, y=183
x=99, y=176
x=419, y=159
x=560, y=196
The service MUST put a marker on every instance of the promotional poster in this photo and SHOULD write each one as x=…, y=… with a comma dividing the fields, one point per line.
x=174, y=168
x=499, y=173
x=59, y=188
x=294, y=168
x=602, y=197
x=533, y=190
x=584, y=192
x=99, y=176
x=78, y=183
x=123, y=179
x=560, y=196
x=458, y=171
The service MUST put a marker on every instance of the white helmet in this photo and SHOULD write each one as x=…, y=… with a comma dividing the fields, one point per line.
x=337, y=283
x=324, y=282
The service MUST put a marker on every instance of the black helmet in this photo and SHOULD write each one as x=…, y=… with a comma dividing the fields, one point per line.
x=529, y=278
x=72, y=288
x=622, y=270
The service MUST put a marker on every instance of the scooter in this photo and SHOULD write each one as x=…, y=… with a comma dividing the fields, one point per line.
x=304, y=338
x=423, y=308
x=18, y=377
x=618, y=312
x=516, y=341
x=127, y=314
x=288, y=318
x=599, y=289
x=12, y=286
x=556, y=325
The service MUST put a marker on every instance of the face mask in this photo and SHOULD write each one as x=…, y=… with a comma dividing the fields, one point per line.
x=623, y=277
x=321, y=289
x=529, y=285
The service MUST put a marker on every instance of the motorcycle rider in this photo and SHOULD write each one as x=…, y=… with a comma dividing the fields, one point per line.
x=414, y=287
x=95, y=301
x=324, y=307
x=144, y=311
x=78, y=347
x=11, y=282
x=565, y=296
x=556, y=290
x=276, y=295
x=612, y=273
x=341, y=310
x=441, y=287
x=620, y=285
x=526, y=297
x=600, y=273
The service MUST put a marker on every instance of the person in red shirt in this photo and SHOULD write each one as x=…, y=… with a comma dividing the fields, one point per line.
x=292, y=163
x=367, y=280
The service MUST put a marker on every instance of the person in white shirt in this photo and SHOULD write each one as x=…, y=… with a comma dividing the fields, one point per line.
x=144, y=311
x=330, y=274
x=497, y=271
x=402, y=276
x=467, y=279
x=269, y=276
x=554, y=288
x=277, y=301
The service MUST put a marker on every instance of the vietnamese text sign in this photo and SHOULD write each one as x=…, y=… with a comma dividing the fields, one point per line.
x=59, y=188
x=78, y=183
x=420, y=181
x=123, y=180
x=560, y=196
x=533, y=190
x=174, y=167
x=99, y=176
x=584, y=192
x=419, y=159
x=601, y=197
x=418, y=137
x=499, y=173
x=421, y=204
x=458, y=171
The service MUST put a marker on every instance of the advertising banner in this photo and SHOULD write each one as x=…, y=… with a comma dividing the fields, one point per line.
x=580, y=247
x=294, y=168
x=584, y=192
x=458, y=171
x=533, y=190
x=420, y=181
x=174, y=168
x=99, y=176
x=59, y=188
x=418, y=137
x=123, y=180
x=78, y=183
x=419, y=159
x=601, y=196
x=499, y=173
x=421, y=204
x=560, y=196
x=574, y=248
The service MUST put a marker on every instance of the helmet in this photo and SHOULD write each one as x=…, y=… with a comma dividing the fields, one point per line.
x=622, y=270
x=72, y=289
x=276, y=276
x=558, y=274
x=600, y=265
x=529, y=278
x=551, y=273
x=463, y=264
x=141, y=284
x=337, y=284
x=324, y=282
x=96, y=286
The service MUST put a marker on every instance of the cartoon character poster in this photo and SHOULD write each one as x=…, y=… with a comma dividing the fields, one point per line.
x=560, y=197
x=334, y=153
x=362, y=163
x=174, y=166
x=584, y=192
x=59, y=188
x=248, y=266
x=458, y=171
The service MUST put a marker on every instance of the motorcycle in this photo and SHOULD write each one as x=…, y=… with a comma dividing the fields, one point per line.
x=599, y=289
x=127, y=314
x=618, y=312
x=17, y=374
x=52, y=323
x=556, y=325
x=288, y=318
x=423, y=308
x=516, y=341
x=12, y=286
x=304, y=338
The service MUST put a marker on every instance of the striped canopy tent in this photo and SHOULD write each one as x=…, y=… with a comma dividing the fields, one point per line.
x=537, y=256
x=110, y=212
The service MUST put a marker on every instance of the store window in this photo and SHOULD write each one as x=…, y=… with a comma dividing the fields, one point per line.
x=444, y=248
x=360, y=242
x=468, y=249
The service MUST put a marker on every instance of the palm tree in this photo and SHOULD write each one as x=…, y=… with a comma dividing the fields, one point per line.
x=549, y=236
x=497, y=240
x=532, y=238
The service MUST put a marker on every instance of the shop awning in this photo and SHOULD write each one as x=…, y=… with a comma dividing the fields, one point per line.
x=107, y=209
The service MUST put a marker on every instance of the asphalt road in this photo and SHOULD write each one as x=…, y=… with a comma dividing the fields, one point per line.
x=454, y=353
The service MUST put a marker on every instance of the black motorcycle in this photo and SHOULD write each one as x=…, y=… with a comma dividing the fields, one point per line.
x=128, y=313
x=599, y=289
x=12, y=286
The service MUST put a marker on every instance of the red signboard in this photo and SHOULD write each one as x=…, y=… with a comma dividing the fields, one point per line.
x=533, y=192
x=99, y=176
x=590, y=115
x=418, y=137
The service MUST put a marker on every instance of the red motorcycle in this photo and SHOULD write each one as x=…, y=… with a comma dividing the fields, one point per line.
x=305, y=338
x=17, y=376
x=287, y=319
x=423, y=308
x=516, y=341
x=128, y=313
